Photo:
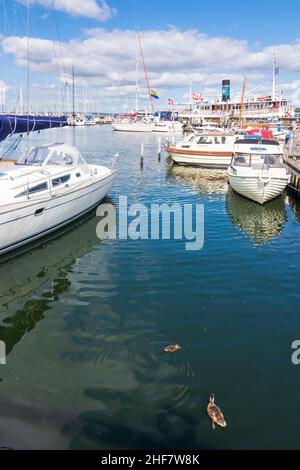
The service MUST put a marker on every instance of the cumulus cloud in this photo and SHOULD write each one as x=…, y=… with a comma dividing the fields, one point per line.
x=100, y=11
x=106, y=60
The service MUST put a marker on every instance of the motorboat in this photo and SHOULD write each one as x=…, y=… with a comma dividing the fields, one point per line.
x=46, y=189
x=207, y=150
x=167, y=122
x=257, y=170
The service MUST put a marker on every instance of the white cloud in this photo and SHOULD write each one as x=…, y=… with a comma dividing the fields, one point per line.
x=105, y=60
x=100, y=11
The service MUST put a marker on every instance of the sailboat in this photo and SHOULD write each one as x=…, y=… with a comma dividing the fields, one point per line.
x=136, y=121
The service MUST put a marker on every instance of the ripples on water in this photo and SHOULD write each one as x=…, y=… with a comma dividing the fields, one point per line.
x=86, y=321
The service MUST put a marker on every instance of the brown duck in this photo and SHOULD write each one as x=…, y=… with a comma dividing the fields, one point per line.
x=215, y=413
x=172, y=348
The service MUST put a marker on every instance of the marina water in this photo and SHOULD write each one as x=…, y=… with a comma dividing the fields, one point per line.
x=85, y=322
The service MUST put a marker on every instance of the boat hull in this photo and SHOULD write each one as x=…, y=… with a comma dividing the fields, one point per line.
x=30, y=221
x=133, y=127
x=258, y=189
x=201, y=159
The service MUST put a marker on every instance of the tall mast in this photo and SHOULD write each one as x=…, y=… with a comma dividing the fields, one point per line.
x=137, y=75
x=73, y=88
x=145, y=71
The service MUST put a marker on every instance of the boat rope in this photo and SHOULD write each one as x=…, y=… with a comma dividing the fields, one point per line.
x=9, y=152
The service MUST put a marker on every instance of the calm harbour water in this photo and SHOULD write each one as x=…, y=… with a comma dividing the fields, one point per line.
x=86, y=321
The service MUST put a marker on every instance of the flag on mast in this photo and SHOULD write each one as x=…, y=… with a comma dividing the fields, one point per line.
x=154, y=94
x=170, y=102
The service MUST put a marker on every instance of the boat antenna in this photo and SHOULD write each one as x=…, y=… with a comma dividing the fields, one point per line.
x=73, y=88
x=243, y=101
x=145, y=71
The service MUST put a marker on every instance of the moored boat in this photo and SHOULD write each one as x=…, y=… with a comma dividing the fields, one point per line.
x=257, y=170
x=208, y=150
x=133, y=123
x=46, y=189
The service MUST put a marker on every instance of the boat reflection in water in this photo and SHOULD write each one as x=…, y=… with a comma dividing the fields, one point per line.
x=206, y=181
x=260, y=223
x=45, y=266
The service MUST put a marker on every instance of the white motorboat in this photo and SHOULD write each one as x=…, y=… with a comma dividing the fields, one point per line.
x=257, y=170
x=45, y=190
x=167, y=122
x=210, y=150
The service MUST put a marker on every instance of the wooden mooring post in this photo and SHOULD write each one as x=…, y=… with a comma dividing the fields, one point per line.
x=142, y=155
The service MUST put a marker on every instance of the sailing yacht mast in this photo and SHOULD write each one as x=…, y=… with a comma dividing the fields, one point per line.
x=137, y=75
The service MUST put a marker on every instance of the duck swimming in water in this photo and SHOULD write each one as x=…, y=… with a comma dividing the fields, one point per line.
x=172, y=348
x=215, y=413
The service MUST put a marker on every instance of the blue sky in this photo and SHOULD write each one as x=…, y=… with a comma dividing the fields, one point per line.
x=214, y=39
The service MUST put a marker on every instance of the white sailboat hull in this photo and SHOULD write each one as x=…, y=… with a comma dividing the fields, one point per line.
x=258, y=188
x=168, y=126
x=25, y=222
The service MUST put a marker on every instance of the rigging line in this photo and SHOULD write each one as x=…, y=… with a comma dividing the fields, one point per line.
x=58, y=37
x=145, y=71
x=28, y=63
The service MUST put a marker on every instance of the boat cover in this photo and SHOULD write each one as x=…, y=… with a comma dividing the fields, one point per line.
x=13, y=124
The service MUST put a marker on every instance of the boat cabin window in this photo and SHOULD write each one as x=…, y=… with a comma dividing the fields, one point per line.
x=257, y=160
x=60, y=180
x=34, y=189
x=204, y=140
x=60, y=158
x=58, y=155
x=36, y=156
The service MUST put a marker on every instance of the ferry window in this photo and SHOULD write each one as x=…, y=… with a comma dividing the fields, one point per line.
x=34, y=189
x=60, y=180
x=78, y=175
x=223, y=140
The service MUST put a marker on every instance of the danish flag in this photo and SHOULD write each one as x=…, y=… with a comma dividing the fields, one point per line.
x=197, y=97
x=170, y=102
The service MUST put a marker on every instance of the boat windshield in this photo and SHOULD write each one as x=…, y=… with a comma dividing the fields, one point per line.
x=257, y=160
x=58, y=155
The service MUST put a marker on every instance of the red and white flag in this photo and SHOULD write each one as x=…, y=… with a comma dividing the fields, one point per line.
x=197, y=97
x=170, y=102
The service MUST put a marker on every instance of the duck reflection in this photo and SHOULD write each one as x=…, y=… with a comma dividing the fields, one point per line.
x=206, y=181
x=44, y=266
x=260, y=223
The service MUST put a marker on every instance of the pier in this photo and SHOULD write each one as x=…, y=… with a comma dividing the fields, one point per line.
x=292, y=160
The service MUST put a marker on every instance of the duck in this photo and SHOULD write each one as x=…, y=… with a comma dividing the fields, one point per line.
x=215, y=413
x=172, y=348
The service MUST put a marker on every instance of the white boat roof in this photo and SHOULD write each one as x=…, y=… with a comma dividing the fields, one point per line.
x=52, y=154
